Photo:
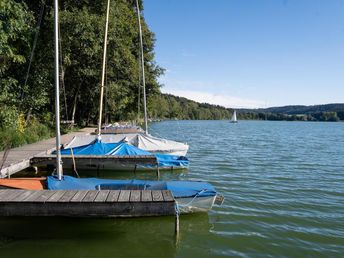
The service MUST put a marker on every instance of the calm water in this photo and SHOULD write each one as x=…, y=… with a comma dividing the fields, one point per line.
x=284, y=189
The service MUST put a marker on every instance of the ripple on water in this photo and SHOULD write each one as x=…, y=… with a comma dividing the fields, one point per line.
x=283, y=183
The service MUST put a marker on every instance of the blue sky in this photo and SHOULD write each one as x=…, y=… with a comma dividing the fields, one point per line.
x=250, y=53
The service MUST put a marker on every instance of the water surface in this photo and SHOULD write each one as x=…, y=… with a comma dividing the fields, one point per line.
x=284, y=189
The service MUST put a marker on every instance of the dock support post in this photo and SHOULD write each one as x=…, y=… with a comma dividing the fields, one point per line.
x=176, y=225
x=135, y=169
x=158, y=171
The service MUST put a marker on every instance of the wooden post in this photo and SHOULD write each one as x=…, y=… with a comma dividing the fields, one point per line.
x=135, y=169
x=176, y=225
x=157, y=171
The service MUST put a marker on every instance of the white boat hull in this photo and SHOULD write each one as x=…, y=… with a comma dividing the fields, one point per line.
x=142, y=141
x=114, y=166
x=198, y=204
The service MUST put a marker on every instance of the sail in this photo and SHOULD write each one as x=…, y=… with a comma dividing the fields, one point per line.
x=234, y=117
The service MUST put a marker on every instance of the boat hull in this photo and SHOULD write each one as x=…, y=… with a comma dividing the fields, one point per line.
x=109, y=165
x=195, y=205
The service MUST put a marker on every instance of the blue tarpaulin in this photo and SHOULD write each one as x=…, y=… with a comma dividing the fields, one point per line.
x=121, y=149
x=179, y=189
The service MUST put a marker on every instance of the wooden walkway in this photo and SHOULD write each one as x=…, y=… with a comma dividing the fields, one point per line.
x=39, y=154
x=19, y=158
x=84, y=203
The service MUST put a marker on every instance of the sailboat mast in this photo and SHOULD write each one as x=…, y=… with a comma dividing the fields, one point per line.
x=103, y=72
x=142, y=68
x=57, y=92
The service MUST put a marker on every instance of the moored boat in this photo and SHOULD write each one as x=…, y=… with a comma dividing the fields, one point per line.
x=191, y=196
x=165, y=161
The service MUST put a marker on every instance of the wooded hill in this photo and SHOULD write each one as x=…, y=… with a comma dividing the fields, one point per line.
x=328, y=112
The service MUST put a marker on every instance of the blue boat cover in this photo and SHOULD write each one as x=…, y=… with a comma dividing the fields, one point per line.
x=121, y=149
x=179, y=189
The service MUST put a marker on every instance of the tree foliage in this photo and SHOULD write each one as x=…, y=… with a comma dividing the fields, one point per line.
x=82, y=25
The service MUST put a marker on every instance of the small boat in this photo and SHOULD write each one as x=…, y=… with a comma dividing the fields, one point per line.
x=234, y=117
x=191, y=196
x=165, y=161
x=32, y=183
x=142, y=141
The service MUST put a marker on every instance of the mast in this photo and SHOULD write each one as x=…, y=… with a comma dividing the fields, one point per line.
x=103, y=72
x=142, y=69
x=57, y=92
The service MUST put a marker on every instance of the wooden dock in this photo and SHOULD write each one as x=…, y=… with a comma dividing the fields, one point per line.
x=84, y=203
x=39, y=154
x=17, y=159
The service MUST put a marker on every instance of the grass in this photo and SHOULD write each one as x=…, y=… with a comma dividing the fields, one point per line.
x=35, y=131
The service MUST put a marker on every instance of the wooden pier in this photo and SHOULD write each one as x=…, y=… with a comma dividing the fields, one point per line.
x=39, y=154
x=86, y=203
x=17, y=159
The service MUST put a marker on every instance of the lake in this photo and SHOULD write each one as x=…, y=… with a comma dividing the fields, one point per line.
x=283, y=184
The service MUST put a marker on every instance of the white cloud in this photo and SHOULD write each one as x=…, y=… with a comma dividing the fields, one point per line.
x=217, y=99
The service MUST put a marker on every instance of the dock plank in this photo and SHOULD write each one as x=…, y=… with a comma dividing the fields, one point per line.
x=90, y=196
x=68, y=196
x=113, y=196
x=33, y=196
x=102, y=195
x=168, y=197
x=157, y=196
x=146, y=196
x=11, y=195
x=79, y=196
x=56, y=196
x=4, y=193
x=135, y=196
x=44, y=196
x=124, y=196
x=23, y=195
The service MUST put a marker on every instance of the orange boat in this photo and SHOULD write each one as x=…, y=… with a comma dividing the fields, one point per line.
x=23, y=183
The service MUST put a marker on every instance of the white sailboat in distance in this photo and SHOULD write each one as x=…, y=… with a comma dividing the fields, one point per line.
x=234, y=117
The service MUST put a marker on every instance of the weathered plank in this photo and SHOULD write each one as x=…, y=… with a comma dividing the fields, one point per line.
x=68, y=196
x=102, y=195
x=157, y=196
x=56, y=196
x=90, y=196
x=146, y=196
x=33, y=196
x=124, y=196
x=11, y=195
x=23, y=195
x=113, y=196
x=45, y=195
x=135, y=196
x=168, y=197
x=4, y=193
x=79, y=196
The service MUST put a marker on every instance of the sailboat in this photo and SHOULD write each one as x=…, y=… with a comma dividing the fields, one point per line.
x=234, y=117
x=169, y=154
x=133, y=135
